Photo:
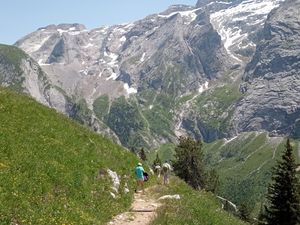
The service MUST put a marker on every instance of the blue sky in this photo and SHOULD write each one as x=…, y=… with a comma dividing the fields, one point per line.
x=20, y=17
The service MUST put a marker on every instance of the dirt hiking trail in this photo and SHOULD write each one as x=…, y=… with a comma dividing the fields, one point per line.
x=142, y=211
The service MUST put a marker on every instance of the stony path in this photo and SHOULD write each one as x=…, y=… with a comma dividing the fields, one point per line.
x=142, y=212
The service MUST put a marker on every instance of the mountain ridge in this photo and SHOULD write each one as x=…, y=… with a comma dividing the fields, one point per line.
x=185, y=53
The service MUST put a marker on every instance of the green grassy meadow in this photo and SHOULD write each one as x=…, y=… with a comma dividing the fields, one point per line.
x=49, y=167
x=193, y=208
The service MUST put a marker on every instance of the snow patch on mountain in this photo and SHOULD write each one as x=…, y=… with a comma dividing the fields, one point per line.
x=143, y=57
x=224, y=21
x=203, y=87
x=88, y=45
x=130, y=90
x=71, y=31
x=74, y=33
x=123, y=39
x=217, y=2
x=114, y=58
x=84, y=72
x=61, y=31
x=113, y=75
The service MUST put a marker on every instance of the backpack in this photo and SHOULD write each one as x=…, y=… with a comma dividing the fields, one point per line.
x=146, y=176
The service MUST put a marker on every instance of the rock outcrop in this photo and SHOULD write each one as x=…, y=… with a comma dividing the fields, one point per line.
x=21, y=73
x=272, y=77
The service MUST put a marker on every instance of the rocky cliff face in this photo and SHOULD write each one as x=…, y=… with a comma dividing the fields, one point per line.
x=21, y=73
x=239, y=23
x=125, y=59
x=272, y=77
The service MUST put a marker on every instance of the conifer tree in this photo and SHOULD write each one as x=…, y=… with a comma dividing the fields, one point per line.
x=212, y=181
x=188, y=163
x=244, y=212
x=143, y=155
x=157, y=161
x=133, y=150
x=283, y=206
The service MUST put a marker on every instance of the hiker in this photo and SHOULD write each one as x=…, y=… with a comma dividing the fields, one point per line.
x=157, y=171
x=166, y=169
x=139, y=172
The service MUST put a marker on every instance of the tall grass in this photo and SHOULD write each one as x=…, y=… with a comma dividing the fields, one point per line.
x=49, y=167
x=193, y=208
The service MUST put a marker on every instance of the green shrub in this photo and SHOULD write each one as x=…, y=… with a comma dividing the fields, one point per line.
x=101, y=106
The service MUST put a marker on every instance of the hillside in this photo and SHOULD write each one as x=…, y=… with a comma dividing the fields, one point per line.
x=21, y=73
x=53, y=171
x=194, y=207
x=243, y=164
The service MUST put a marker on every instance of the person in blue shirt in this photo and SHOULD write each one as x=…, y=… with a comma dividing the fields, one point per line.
x=139, y=172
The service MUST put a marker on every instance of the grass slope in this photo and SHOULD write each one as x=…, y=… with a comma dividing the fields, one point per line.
x=49, y=173
x=244, y=165
x=194, y=207
x=49, y=167
x=12, y=54
x=212, y=104
x=10, y=71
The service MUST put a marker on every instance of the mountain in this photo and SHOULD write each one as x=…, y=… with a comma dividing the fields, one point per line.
x=151, y=62
x=130, y=58
x=187, y=70
x=20, y=72
x=239, y=23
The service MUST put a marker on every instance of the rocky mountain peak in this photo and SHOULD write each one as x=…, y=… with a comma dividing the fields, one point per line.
x=201, y=3
x=65, y=26
x=178, y=7
x=154, y=64
x=130, y=55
